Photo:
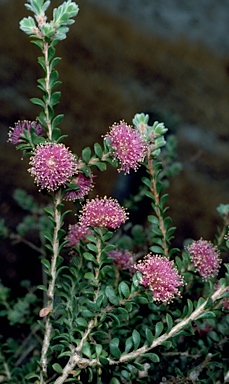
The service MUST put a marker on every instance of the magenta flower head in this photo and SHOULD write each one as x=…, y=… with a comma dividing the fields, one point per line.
x=105, y=212
x=123, y=259
x=76, y=233
x=160, y=276
x=127, y=145
x=17, y=132
x=52, y=165
x=84, y=185
x=205, y=257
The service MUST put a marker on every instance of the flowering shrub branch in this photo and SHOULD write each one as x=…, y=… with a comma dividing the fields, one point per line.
x=106, y=306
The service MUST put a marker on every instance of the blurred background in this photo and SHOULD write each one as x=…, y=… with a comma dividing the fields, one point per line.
x=168, y=58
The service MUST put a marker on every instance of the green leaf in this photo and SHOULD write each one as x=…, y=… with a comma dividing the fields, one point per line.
x=101, y=166
x=214, y=336
x=27, y=25
x=136, y=338
x=81, y=322
x=98, y=349
x=206, y=315
x=153, y=219
x=190, y=307
x=87, y=313
x=152, y=356
x=169, y=322
x=86, y=154
x=114, y=349
x=142, y=299
x=128, y=345
x=37, y=101
x=200, y=302
x=103, y=360
x=92, y=247
x=57, y=368
x=158, y=328
x=86, y=350
x=42, y=84
x=46, y=263
x=128, y=306
x=124, y=313
x=57, y=120
x=124, y=289
x=92, y=306
x=88, y=256
x=64, y=354
x=48, y=236
x=42, y=287
x=147, y=182
x=53, y=78
x=49, y=210
x=42, y=119
x=98, y=150
x=89, y=276
x=61, y=233
x=55, y=98
x=156, y=249
x=109, y=291
x=114, y=317
x=65, y=12
x=115, y=381
x=149, y=336
x=54, y=62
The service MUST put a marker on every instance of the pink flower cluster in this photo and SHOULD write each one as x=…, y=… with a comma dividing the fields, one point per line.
x=84, y=184
x=17, y=132
x=76, y=233
x=128, y=146
x=52, y=165
x=205, y=257
x=123, y=259
x=103, y=213
x=160, y=276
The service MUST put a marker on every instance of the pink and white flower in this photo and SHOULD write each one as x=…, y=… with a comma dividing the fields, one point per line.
x=205, y=257
x=52, y=165
x=127, y=145
x=160, y=276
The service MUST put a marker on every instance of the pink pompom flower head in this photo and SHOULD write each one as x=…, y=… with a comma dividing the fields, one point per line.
x=160, y=276
x=123, y=259
x=76, y=232
x=16, y=133
x=127, y=145
x=83, y=186
x=52, y=165
x=103, y=212
x=205, y=257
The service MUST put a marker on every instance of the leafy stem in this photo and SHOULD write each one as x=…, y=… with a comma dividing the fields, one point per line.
x=51, y=289
x=48, y=90
x=157, y=208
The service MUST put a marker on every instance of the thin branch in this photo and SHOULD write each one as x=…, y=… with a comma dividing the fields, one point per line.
x=19, y=239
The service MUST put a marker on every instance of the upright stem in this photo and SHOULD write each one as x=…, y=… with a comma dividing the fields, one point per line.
x=157, y=205
x=51, y=288
x=48, y=90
